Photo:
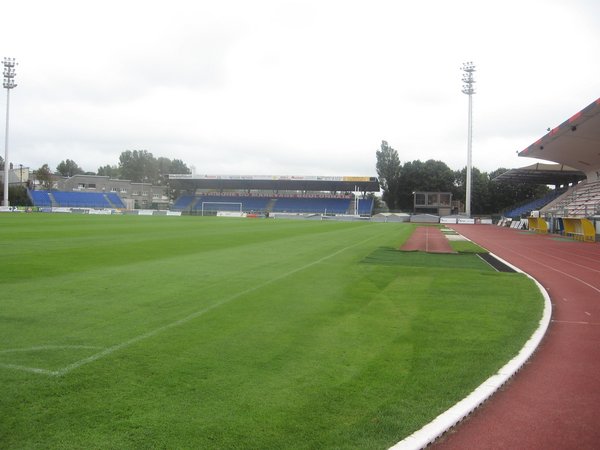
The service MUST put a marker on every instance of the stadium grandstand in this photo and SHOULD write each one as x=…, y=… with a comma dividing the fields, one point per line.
x=274, y=194
x=573, y=208
x=61, y=199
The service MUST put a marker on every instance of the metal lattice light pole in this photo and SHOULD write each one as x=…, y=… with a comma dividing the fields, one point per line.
x=9, y=83
x=468, y=68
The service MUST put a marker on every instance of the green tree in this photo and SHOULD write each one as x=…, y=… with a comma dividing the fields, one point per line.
x=378, y=205
x=166, y=167
x=139, y=166
x=428, y=176
x=388, y=169
x=17, y=195
x=480, y=203
x=179, y=167
x=44, y=177
x=508, y=194
x=491, y=197
x=109, y=171
x=68, y=168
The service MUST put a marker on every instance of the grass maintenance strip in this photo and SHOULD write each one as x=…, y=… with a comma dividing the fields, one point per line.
x=186, y=332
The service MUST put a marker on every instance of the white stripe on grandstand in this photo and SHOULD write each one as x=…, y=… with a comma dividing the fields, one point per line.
x=194, y=315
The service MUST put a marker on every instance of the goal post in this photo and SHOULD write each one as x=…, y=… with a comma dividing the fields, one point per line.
x=216, y=207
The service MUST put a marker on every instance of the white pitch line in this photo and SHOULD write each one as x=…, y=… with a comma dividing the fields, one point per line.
x=48, y=347
x=29, y=369
x=194, y=315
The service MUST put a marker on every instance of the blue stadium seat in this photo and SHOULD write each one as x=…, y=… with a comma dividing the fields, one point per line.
x=40, y=198
x=183, y=202
x=273, y=204
x=222, y=203
x=77, y=199
x=312, y=205
x=116, y=200
x=533, y=205
x=365, y=206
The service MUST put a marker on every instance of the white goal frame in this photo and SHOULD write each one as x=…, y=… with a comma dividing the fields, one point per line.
x=221, y=203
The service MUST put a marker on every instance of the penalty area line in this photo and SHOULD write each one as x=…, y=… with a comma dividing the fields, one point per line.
x=29, y=369
x=196, y=314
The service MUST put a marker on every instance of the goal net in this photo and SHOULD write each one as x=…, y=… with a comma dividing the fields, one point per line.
x=213, y=208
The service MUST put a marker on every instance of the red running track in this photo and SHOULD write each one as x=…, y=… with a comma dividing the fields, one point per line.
x=427, y=239
x=554, y=401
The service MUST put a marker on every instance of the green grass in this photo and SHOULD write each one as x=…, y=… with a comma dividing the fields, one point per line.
x=466, y=247
x=185, y=332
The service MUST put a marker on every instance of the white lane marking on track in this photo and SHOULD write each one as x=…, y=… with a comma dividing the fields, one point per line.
x=587, y=313
x=537, y=262
x=582, y=255
x=196, y=314
x=567, y=261
x=574, y=322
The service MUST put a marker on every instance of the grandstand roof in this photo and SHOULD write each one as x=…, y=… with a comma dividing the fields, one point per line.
x=276, y=182
x=575, y=142
x=557, y=174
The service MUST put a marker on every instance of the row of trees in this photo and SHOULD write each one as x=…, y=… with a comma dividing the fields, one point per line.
x=139, y=166
x=399, y=181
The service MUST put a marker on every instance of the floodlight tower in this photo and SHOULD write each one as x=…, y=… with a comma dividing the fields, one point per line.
x=9, y=83
x=468, y=68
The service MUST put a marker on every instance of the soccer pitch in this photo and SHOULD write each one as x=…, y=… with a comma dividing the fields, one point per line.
x=189, y=332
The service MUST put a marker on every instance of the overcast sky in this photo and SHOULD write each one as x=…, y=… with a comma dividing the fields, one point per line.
x=293, y=87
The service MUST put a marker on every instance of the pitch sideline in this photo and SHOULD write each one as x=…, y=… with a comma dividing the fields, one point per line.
x=65, y=370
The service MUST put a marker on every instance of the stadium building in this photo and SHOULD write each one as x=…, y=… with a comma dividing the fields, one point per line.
x=98, y=191
x=274, y=194
x=573, y=207
x=572, y=152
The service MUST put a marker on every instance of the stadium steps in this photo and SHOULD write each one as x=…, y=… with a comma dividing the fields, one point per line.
x=365, y=206
x=581, y=201
x=352, y=208
x=53, y=200
x=535, y=204
x=270, y=205
x=195, y=201
x=116, y=200
x=108, y=200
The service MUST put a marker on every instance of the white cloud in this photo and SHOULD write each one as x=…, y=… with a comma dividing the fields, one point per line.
x=294, y=87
